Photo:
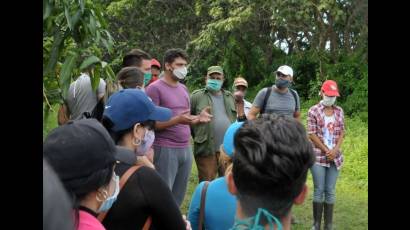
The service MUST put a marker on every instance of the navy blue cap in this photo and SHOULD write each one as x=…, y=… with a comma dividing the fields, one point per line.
x=127, y=107
x=229, y=137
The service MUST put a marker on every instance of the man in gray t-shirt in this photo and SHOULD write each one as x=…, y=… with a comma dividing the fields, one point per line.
x=281, y=101
x=81, y=98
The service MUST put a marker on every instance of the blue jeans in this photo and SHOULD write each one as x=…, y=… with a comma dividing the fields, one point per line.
x=324, y=181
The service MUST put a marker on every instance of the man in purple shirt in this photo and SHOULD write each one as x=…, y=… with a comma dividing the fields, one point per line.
x=172, y=150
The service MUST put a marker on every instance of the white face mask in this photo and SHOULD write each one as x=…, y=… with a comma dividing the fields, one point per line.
x=180, y=73
x=328, y=101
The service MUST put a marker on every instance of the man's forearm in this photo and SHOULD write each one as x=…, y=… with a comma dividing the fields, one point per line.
x=166, y=124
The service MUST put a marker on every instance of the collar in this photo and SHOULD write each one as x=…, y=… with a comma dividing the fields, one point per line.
x=85, y=209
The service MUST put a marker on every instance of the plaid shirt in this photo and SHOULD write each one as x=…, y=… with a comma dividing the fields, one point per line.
x=316, y=123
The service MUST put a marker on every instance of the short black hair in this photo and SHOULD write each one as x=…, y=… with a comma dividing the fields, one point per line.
x=130, y=77
x=134, y=58
x=270, y=164
x=171, y=54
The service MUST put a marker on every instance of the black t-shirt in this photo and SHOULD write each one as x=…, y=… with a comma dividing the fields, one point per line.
x=145, y=194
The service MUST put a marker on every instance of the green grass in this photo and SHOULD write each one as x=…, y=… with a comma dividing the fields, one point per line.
x=351, y=207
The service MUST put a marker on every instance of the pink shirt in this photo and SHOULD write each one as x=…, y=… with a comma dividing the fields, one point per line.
x=89, y=222
x=175, y=98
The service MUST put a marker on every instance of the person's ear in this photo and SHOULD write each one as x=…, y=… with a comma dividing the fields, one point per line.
x=302, y=196
x=138, y=132
x=231, y=184
x=168, y=66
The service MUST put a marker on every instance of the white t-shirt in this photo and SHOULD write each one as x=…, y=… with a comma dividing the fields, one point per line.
x=328, y=131
x=246, y=107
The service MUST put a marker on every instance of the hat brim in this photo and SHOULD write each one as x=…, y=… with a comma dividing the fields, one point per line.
x=209, y=73
x=332, y=93
x=160, y=114
x=242, y=84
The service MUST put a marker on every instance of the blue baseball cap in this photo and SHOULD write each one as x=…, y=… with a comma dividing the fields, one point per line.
x=130, y=106
x=229, y=136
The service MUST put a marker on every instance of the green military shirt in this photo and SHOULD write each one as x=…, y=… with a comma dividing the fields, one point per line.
x=202, y=133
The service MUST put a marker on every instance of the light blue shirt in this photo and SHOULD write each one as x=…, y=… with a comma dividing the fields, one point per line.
x=220, y=206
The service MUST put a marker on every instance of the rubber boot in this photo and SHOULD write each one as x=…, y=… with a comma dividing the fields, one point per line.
x=328, y=211
x=317, y=215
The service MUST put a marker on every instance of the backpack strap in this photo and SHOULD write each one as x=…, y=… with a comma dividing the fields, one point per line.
x=123, y=181
x=265, y=100
x=295, y=97
x=202, y=206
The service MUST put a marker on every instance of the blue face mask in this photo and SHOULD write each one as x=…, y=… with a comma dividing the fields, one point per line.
x=147, y=78
x=253, y=222
x=282, y=83
x=106, y=205
x=214, y=85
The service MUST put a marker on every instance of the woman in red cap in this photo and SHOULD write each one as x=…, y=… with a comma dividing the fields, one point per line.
x=326, y=130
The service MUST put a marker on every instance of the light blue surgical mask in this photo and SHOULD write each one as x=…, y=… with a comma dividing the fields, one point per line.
x=147, y=78
x=214, y=85
x=252, y=223
x=107, y=204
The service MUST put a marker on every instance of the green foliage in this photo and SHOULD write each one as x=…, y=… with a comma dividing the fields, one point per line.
x=74, y=39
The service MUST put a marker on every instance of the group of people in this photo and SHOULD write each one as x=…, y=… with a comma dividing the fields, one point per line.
x=128, y=168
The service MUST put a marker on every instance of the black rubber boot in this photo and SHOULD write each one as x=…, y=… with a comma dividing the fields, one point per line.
x=328, y=211
x=317, y=215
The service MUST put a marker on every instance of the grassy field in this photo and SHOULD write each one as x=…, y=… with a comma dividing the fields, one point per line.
x=351, y=207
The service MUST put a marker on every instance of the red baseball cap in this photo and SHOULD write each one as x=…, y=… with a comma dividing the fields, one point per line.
x=329, y=88
x=155, y=62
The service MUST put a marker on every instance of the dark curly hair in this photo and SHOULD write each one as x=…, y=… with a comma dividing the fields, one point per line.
x=270, y=165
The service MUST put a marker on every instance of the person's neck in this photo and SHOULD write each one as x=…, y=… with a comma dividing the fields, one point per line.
x=126, y=142
x=281, y=90
x=169, y=79
x=285, y=221
x=216, y=93
x=90, y=203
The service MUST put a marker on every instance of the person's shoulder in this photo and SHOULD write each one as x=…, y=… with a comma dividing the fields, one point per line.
x=198, y=91
x=294, y=91
x=201, y=185
x=264, y=89
x=338, y=108
x=155, y=84
x=314, y=107
x=227, y=92
x=153, y=87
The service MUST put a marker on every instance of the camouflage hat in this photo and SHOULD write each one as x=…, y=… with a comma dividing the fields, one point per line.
x=215, y=69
